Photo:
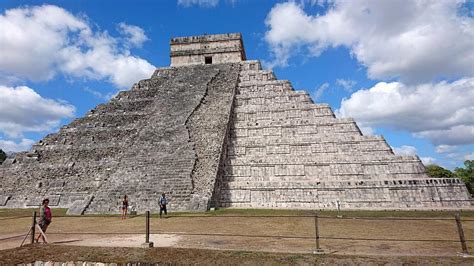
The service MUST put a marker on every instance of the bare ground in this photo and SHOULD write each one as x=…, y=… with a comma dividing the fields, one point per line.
x=60, y=253
x=229, y=235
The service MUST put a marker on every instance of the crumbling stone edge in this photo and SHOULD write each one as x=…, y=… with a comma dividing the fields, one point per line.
x=197, y=202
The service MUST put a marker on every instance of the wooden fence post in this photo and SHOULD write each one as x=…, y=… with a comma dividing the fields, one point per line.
x=147, y=233
x=457, y=216
x=316, y=232
x=33, y=227
x=147, y=237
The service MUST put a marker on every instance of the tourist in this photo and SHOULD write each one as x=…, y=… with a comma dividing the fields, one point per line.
x=163, y=202
x=124, y=207
x=45, y=219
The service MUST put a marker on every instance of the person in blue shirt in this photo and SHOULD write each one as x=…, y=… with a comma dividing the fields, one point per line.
x=163, y=202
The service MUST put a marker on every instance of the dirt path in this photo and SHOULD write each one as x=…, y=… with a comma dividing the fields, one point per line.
x=61, y=253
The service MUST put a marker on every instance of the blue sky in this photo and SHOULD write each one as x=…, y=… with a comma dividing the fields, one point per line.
x=402, y=69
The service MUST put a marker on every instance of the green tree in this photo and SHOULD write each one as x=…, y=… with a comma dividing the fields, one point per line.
x=437, y=171
x=466, y=174
x=3, y=156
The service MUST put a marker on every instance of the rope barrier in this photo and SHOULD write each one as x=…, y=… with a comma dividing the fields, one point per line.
x=97, y=216
x=322, y=217
x=253, y=216
x=12, y=237
x=243, y=235
x=95, y=233
x=389, y=239
x=307, y=237
x=14, y=217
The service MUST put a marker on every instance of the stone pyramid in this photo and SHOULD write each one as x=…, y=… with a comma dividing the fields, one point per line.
x=215, y=130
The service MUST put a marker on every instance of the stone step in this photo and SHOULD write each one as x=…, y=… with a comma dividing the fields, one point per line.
x=256, y=87
x=321, y=125
x=109, y=120
x=418, y=182
x=251, y=65
x=269, y=119
x=284, y=90
x=256, y=75
x=315, y=173
x=284, y=107
x=325, y=158
x=253, y=108
x=163, y=72
x=124, y=106
x=283, y=114
x=263, y=133
x=326, y=140
x=273, y=99
x=305, y=151
x=307, y=125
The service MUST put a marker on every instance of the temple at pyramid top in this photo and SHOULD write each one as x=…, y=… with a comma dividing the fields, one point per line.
x=207, y=49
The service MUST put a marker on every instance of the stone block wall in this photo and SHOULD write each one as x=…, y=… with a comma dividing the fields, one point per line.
x=286, y=151
x=164, y=135
x=221, y=48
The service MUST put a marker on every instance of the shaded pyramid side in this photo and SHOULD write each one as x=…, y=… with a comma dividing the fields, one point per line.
x=287, y=151
x=141, y=143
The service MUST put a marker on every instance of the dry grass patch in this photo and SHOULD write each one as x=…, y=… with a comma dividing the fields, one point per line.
x=284, y=231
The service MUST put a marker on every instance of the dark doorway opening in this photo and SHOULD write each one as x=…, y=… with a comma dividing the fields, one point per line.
x=208, y=60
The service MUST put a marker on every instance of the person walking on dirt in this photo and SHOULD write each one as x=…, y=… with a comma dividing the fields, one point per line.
x=124, y=207
x=45, y=218
x=163, y=202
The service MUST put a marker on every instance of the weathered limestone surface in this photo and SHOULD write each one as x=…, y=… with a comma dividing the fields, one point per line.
x=224, y=134
x=220, y=48
x=208, y=127
x=286, y=151
x=164, y=135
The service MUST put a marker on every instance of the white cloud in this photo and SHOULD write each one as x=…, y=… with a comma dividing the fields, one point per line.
x=445, y=148
x=366, y=130
x=320, y=91
x=38, y=42
x=346, y=84
x=442, y=112
x=10, y=146
x=404, y=150
x=201, y=3
x=23, y=110
x=455, y=135
x=413, y=40
x=469, y=156
x=427, y=160
x=136, y=36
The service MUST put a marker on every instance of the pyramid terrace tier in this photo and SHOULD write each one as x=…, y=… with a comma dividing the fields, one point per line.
x=347, y=195
x=368, y=167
